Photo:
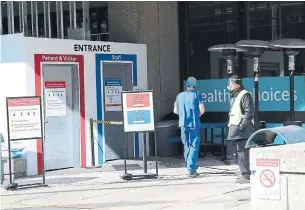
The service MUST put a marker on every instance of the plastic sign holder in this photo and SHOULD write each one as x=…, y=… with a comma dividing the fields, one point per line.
x=24, y=122
x=138, y=117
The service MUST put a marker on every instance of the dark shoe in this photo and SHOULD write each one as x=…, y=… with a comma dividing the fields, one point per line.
x=193, y=175
x=242, y=181
x=227, y=162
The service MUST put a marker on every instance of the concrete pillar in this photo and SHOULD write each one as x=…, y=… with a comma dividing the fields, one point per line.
x=154, y=24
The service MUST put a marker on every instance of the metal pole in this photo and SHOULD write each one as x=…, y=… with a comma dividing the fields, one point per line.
x=12, y=18
x=156, y=153
x=47, y=19
x=125, y=154
x=291, y=90
x=36, y=19
x=256, y=91
x=72, y=11
x=9, y=20
x=9, y=143
x=43, y=132
x=20, y=16
x=59, y=20
x=1, y=31
x=92, y=142
x=144, y=153
x=32, y=19
x=86, y=20
x=9, y=160
x=291, y=84
x=24, y=11
x=43, y=166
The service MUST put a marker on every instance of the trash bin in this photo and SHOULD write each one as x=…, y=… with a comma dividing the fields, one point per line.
x=165, y=130
x=291, y=134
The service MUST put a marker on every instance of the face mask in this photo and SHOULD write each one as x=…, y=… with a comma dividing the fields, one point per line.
x=228, y=87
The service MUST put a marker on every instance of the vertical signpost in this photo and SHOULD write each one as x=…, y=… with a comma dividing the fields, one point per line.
x=138, y=116
x=24, y=122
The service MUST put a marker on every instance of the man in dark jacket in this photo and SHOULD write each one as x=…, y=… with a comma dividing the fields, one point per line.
x=240, y=124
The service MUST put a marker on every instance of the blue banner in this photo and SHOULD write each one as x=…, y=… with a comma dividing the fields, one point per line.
x=273, y=93
x=138, y=117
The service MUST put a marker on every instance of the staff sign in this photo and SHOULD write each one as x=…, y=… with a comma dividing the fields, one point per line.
x=138, y=111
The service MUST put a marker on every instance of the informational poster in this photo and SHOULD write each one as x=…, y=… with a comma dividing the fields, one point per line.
x=138, y=111
x=268, y=178
x=55, y=98
x=113, y=97
x=24, y=118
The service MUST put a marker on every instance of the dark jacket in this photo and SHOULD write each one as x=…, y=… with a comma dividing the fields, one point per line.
x=246, y=127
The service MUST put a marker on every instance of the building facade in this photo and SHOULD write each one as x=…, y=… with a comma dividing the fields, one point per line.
x=177, y=34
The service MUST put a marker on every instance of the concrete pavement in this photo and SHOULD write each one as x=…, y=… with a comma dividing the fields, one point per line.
x=102, y=188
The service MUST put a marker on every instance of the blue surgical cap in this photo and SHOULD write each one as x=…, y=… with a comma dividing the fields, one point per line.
x=191, y=82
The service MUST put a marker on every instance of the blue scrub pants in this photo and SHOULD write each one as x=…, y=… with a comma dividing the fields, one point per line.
x=191, y=140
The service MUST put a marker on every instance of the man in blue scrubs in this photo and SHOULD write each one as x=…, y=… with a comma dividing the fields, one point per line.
x=189, y=106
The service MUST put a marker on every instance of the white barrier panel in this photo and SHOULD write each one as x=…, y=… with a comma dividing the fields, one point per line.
x=278, y=181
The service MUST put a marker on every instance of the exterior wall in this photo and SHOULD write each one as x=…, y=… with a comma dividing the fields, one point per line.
x=154, y=24
x=34, y=46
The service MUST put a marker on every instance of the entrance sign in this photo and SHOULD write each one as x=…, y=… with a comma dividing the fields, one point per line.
x=24, y=118
x=113, y=91
x=268, y=178
x=55, y=98
x=138, y=111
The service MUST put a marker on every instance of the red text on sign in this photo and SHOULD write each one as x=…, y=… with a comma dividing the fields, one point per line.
x=137, y=100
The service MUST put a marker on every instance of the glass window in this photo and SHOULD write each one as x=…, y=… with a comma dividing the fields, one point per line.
x=99, y=24
x=211, y=23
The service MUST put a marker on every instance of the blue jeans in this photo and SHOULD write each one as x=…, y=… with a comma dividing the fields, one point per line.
x=191, y=140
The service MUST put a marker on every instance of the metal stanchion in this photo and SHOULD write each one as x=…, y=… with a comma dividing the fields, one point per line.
x=126, y=175
x=291, y=47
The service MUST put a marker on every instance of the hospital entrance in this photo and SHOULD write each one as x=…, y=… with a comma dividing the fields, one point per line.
x=116, y=77
x=62, y=118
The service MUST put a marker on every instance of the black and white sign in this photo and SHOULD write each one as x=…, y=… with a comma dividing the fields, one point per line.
x=113, y=98
x=55, y=98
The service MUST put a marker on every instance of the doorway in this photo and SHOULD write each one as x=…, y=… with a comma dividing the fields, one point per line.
x=117, y=77
x=62, y=108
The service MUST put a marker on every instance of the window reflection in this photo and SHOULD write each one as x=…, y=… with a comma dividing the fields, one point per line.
x=98, y=21
x=211, y=23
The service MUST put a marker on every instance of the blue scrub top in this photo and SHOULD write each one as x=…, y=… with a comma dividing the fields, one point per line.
x=188, y=108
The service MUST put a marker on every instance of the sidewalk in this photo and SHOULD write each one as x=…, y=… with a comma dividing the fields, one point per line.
x=101, y=188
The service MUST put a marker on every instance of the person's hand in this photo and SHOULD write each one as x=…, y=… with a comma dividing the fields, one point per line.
x=241, y=127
